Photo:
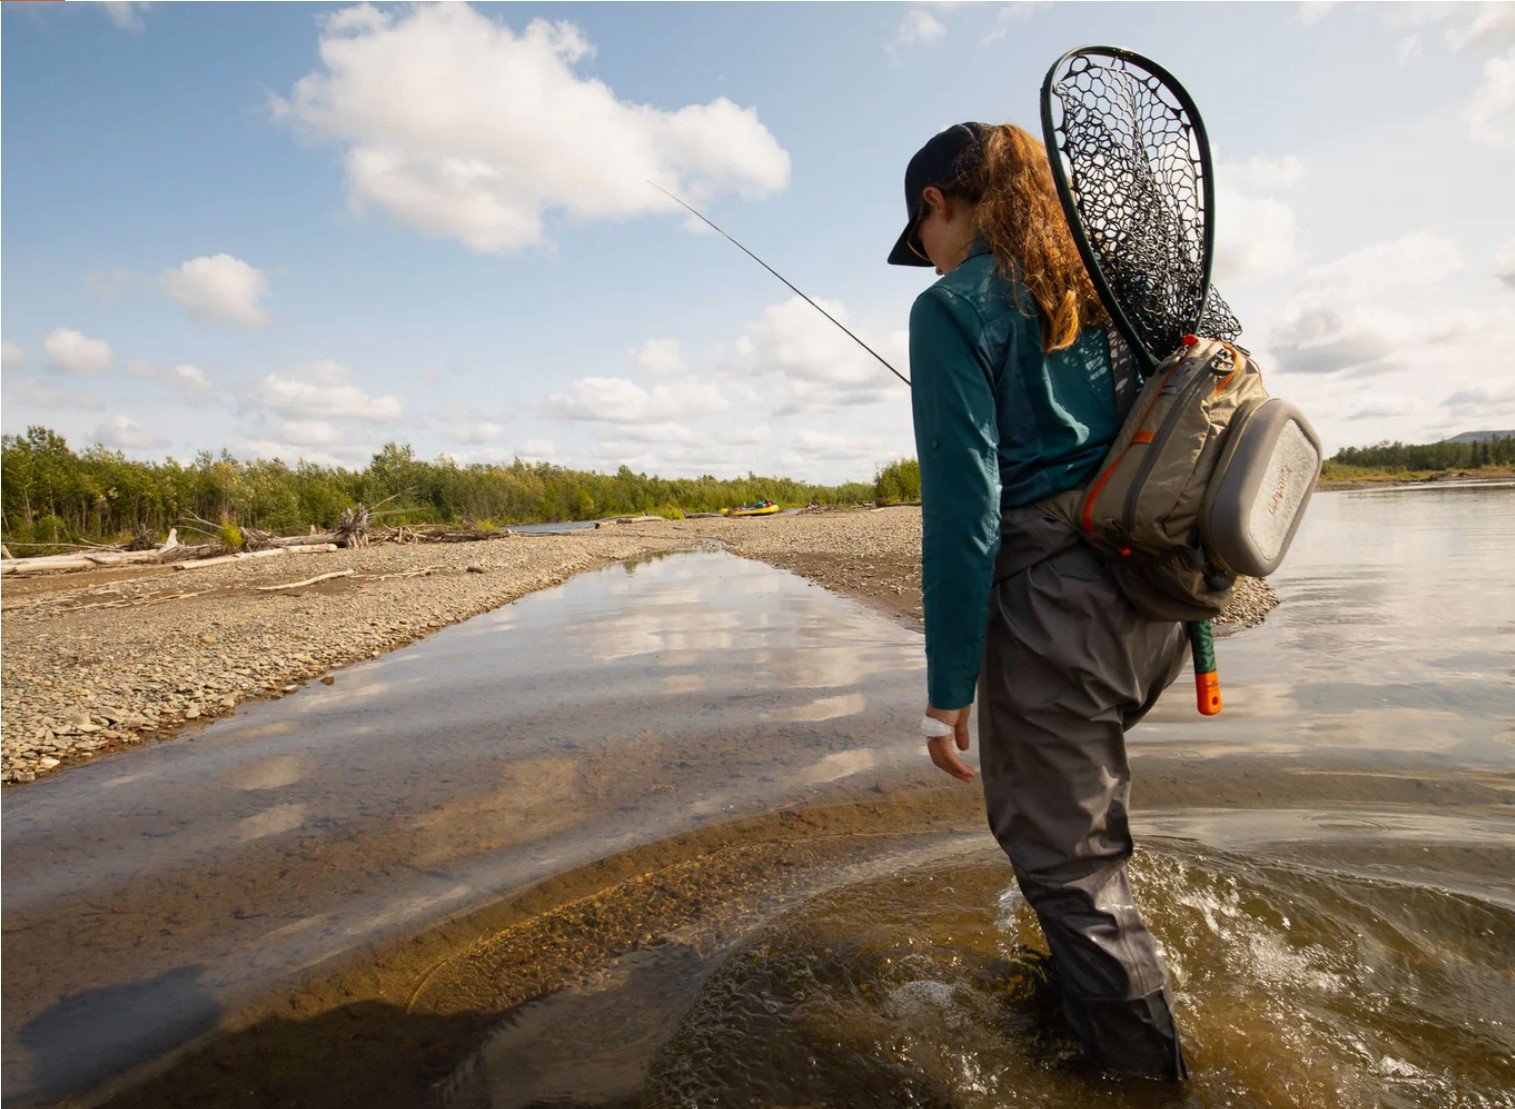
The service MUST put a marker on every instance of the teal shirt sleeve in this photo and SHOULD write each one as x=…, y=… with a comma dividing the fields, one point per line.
x=956, y=441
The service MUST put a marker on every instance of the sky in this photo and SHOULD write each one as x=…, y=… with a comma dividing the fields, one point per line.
x=305, y=230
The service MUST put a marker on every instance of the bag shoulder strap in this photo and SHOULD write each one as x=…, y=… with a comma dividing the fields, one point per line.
x=1123, y=374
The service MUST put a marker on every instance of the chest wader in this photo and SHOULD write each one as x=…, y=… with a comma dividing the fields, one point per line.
x=1069, y=666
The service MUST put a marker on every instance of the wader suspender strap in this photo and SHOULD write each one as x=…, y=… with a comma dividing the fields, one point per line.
x=1123, y=373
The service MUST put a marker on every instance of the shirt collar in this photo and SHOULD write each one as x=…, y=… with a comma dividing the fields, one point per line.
x=980, y=245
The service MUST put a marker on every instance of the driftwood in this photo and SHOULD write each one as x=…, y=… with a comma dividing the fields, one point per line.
x=218, y=560
x=419, y=572
x=307, y=581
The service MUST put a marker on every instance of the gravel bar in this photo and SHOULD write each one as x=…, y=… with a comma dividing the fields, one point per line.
x=96, y=661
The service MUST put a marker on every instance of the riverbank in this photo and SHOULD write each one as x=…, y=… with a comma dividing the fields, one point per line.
x=1384, y=479
x=97, y=661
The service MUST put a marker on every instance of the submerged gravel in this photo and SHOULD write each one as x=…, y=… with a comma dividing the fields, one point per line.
x=96, y=661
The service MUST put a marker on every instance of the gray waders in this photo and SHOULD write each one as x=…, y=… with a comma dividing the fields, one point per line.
x=1068, y=667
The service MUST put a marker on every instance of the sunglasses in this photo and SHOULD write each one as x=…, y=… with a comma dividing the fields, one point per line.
x=912, y=241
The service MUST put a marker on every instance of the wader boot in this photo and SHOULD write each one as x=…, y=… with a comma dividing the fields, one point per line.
x=1068, y=667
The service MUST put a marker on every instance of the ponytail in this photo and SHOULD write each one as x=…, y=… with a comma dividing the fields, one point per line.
x=1010, y=181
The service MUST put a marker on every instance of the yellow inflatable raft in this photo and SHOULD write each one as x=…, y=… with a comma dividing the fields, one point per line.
x=762, y=508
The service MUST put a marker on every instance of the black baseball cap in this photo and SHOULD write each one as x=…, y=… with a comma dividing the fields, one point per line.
x=936, y=163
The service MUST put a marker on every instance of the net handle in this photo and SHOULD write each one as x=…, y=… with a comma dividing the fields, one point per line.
x=1075, y=220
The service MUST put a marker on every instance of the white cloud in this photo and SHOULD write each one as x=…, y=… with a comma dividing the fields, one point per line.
x=125, y=14
x=220, y=289
x=76, y=353
x=459, y=127
x=38, y=394
x=479, y=431
x=1255, y=236
x=1482, y=402
x=1011, y=14
x=821, y=368
x=1413, y=13
x=1407, y=49
x=255, y=449
x=311, y=433
x=1494, y=25
x=919, y=28
x=826, y=446
x=599, y=398
x=1311, y=12
x=620, y=400
x=1504, y=264
x=323, y=390
x=125, y=433
x=1490, y=115
x=1379, y=405
x=534, y=450
x=1263, y=174
x=1408, y=262
x=12, y=355
x=661, y=357
x=1345, y=316
x=184, y=378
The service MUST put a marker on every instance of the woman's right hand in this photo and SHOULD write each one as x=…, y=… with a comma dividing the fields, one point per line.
x=941, y=748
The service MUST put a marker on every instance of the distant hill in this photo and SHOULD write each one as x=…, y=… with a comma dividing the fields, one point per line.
x=1480, y=436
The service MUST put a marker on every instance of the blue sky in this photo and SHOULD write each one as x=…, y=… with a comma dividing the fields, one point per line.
x=304, y=230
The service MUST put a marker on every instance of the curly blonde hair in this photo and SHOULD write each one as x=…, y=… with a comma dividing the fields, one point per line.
x=1007, y=177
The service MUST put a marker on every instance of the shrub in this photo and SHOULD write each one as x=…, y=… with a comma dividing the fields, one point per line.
x=898, y=483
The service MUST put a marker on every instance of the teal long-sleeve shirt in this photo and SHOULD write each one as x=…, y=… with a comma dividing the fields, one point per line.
x=997, y=423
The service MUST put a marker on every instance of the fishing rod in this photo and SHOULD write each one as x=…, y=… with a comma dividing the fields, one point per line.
x=782, y=278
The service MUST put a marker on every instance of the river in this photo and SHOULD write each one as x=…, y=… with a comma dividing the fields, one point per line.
x=1327, y=865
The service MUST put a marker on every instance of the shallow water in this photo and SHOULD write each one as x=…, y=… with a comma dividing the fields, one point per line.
x=148, y=895
x=927, y=987
x=1344, y=950
x=1358, y=786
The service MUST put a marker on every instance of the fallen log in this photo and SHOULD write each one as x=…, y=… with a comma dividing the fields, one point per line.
x=419, y=572
x=198, y=563
x=307, y=581
x=23, y=566
x=314, y=539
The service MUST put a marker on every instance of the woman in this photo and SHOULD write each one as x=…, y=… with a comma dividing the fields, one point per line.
x=1014, y=401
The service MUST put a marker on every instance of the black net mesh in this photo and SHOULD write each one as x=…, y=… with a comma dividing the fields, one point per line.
x=1132, y=157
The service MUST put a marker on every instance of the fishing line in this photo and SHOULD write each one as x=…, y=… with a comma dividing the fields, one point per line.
x=784, y=279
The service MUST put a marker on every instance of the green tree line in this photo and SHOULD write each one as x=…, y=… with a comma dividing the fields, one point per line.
x=1402, y=457
x=52, y=494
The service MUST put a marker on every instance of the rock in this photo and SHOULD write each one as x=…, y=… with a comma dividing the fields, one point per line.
x=192, y=712
x=47, y=762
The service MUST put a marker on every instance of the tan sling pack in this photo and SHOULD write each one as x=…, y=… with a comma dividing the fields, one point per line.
x=1208, y=478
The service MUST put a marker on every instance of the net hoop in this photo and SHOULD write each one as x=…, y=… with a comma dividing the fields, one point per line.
x=1180, y=296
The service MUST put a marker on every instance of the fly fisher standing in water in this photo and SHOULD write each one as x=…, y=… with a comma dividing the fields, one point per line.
x=1014, y=401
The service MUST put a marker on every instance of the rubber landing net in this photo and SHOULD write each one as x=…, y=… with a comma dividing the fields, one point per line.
x=1132, y=165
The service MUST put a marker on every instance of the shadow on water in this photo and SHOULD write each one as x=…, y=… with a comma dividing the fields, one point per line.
x=88, y=1036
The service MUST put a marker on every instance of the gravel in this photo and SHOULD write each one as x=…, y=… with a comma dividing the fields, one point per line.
x=97, y=661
